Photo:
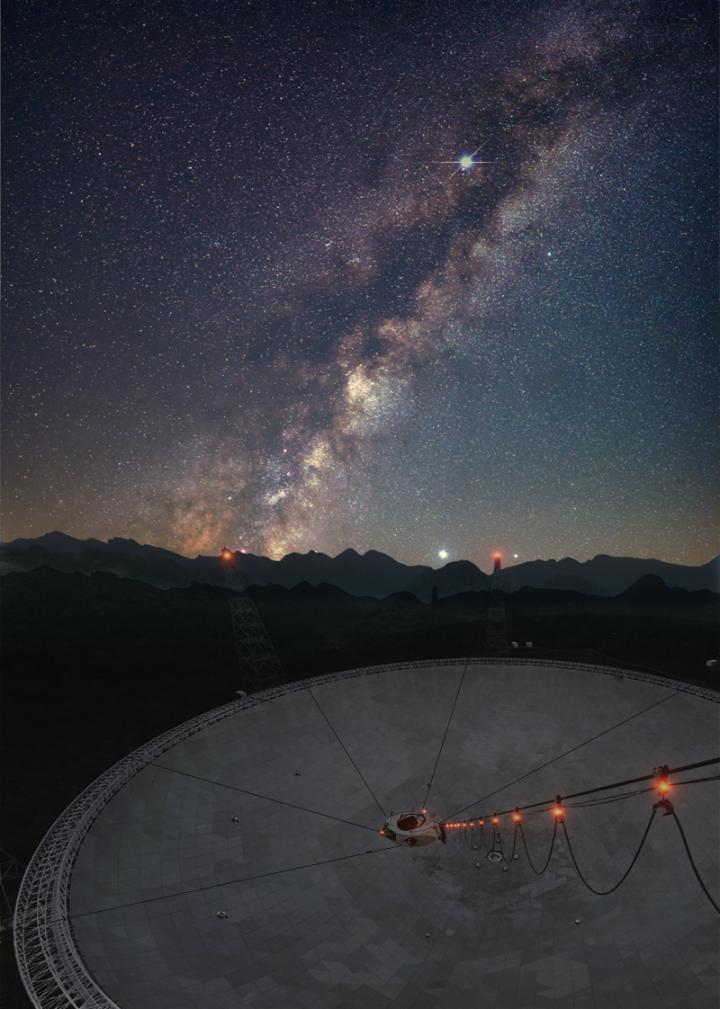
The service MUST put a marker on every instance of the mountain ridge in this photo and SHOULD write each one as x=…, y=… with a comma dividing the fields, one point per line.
x=373, y=573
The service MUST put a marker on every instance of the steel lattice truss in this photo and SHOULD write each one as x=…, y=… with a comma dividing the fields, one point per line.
x=496, y=628
x=255, y=649
x=49, y=962
x=256, y=652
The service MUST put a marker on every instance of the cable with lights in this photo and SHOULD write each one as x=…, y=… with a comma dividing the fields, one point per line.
x=659, y=774
x=661, y=785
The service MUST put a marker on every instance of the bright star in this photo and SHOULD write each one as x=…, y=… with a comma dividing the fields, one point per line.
x=465, y=162
x=443, y=554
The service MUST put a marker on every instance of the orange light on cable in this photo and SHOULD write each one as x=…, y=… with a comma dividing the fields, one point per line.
x=558, y=812
x=516, y=817
x=495, y=820
x=663, y=787
x=481, y=823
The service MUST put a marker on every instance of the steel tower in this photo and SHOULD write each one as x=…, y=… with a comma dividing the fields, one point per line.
x=496, y=633
x=256, y=652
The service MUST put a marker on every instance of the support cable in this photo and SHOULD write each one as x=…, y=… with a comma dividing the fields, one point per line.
x=447, y=729
x=607, y=799
x=539, y=872
x=231, y=882
x=514, y=844
x=566, y=753
x=267, y=798
x=347, y=753
x=605, y=788
x=692, y=862
x=638, y=791
x=604, y=893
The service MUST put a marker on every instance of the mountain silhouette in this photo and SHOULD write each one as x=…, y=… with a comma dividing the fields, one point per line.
x=373, y=573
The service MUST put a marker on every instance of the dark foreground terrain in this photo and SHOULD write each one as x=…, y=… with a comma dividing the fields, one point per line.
x=96, y=665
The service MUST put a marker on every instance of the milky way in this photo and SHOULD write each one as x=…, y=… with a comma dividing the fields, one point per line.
x=247, y=303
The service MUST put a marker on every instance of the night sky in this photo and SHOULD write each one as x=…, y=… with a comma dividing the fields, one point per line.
x=245, y=302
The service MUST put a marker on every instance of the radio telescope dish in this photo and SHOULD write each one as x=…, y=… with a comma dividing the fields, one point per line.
x=238, y=860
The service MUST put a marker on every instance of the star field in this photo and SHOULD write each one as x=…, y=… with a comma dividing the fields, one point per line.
x=247, y=303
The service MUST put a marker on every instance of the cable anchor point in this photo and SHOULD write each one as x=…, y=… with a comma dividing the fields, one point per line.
x=666, y=806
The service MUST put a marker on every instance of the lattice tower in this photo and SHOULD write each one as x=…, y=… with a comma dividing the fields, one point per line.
x=496, y=633
x=255, y=649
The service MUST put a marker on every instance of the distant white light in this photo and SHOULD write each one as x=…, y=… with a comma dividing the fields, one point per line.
x=516, y=556
x=443, y=554
x=465, y=163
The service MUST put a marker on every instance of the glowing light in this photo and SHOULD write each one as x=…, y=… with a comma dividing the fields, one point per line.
x=558, y=812
x=663, y=786
x=515, y=556
x=516, y=818
x=495, y=820
x=226, y=554
x=465, y=162
x=443, y=554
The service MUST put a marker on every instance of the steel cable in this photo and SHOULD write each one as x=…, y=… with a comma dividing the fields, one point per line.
x=514, y=845
x=604, y=893
x=692, y=863
x=267, y=798
x=447, y=729
x=566, y=753
x=537, y=806
x=347, y=753
x=539, y=872
x=240, y=879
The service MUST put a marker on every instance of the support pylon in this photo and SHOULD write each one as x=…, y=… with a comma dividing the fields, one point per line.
x=496, y=632
x=256, y=653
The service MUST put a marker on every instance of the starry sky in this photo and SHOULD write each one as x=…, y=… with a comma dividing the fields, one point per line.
x=251, y=296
